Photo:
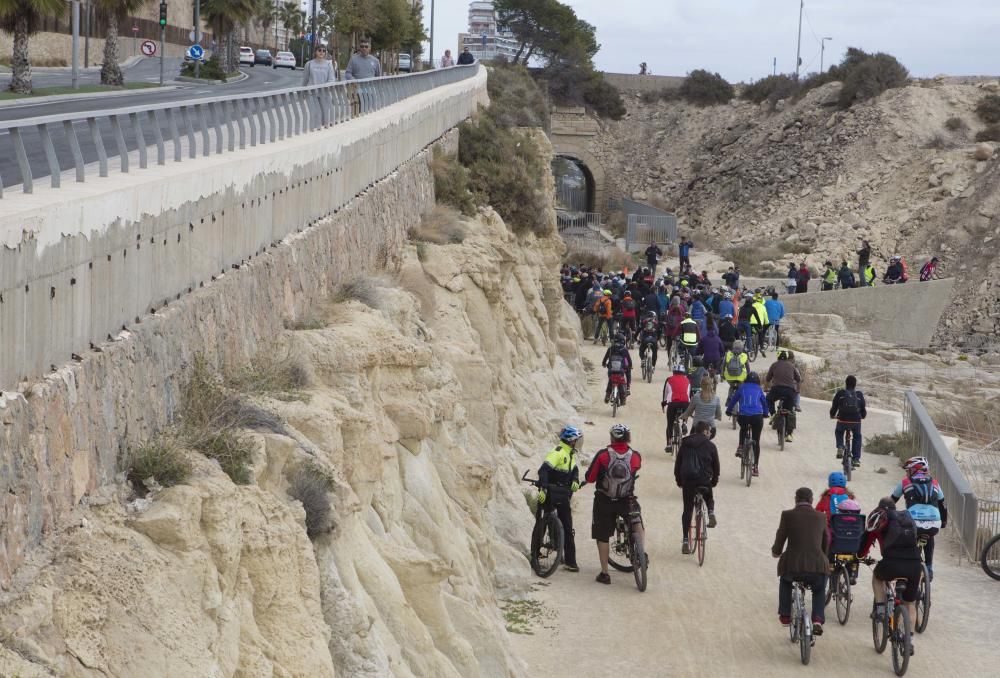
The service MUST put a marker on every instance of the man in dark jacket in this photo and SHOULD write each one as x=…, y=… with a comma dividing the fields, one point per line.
x=848, y=408
x=653, y=254
x=696, y=466
x=466, y=58
x=805, y=559
x=802, y=279
x=846, y=276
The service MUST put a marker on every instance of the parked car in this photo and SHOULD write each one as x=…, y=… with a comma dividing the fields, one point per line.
x=246, y=56
x=264, y=57
x=284, y=60
x=405, y=63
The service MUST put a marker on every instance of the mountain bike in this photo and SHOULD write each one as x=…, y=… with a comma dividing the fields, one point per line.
x=771, y=337
x=627, y=549
x=647, y=367
x=748, y=456
x=923, y=602
x=547, y=535
x=891, y=627
x=781, y=425
x=736, y=406
x=848, y=458
x=618, y=384
x=678, y=431
x=698, y=529
x=990, y=557
x=840, y=585
x=800, y=629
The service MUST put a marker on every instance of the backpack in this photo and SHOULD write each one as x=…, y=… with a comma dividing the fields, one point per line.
x=835, y=500
x=693, y=468
x=850, y=405
x=734, y=366
x=618, y=480
x=900, y=531
x=599, y=305
x=649, y=327
x=847, y=530
x=616, y=363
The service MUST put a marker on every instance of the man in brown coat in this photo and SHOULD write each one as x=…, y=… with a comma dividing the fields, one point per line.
x=804, y=528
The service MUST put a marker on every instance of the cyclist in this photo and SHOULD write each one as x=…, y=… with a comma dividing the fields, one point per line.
x=929, y=270
x=603, y=309
x=559, y=478
x=783, y=381
x=734, y=367
x=835, y=493
x=848, y=409
x=672, y=320
x=748, y=318
x=618, y=361
x=711, y=347
x=705, y=406
x=613, y=472
x=649, y=335
x=676, y=398
x=726, y=306
x=698, y=311
x=804, y=560
x=688, y=336
x=896, y=534
x=829, y=277
x=894, y=272
x=696, y=466
x=925, y=502
x=760, y=326
x=727, y=331
x=753, y=405
x=775, y=310
x=629, y=314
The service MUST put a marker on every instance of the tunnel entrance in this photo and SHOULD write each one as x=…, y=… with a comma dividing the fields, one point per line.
x=575, y=186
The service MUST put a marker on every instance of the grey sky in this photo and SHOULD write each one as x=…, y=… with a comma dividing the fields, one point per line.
x=739, y=38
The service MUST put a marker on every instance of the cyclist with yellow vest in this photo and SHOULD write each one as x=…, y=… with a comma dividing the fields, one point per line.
x=558, y=479
x=829, y=277
x=689, y=336
x=734, y=366
x=759, y=322
x=868, y=275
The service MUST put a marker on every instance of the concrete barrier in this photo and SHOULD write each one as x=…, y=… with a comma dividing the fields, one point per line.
x=633, y=82
x=905, y=314
x=84, y=262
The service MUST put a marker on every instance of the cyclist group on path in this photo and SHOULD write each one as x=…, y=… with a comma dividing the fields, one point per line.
x=709, y=331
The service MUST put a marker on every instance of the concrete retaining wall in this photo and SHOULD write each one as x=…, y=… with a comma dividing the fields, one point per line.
x=900, y=314
x=632, y=82
x=274, y=230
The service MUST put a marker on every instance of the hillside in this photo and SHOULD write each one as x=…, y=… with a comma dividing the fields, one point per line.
x=818, y=179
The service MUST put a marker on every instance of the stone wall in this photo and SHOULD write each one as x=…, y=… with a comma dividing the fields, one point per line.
x=63, y=433
x=632, y=83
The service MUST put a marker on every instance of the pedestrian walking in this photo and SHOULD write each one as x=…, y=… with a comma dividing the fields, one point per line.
x=319, y=71
x=446, y=60
x=363, y=64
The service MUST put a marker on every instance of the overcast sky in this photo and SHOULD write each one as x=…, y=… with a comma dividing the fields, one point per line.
x=739, y=38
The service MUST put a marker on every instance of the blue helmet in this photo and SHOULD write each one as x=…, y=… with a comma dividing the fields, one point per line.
x=570, y=434
x=837, y=479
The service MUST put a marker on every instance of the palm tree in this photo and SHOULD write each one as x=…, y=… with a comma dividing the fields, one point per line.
x=224, y=16
x=114, y=11
x=22, y=18
x=292, y=18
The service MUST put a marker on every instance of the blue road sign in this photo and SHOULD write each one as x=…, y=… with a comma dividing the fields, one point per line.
x=196, y=51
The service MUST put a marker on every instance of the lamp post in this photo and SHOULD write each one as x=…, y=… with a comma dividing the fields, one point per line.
x=798, y=47
x=432, y=34
x=822, y=50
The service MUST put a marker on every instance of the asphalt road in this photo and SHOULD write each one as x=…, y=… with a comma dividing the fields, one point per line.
x=259, y=79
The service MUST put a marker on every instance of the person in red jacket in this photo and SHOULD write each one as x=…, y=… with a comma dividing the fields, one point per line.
x=676, y=398
x=630, y=315
x=834, y=494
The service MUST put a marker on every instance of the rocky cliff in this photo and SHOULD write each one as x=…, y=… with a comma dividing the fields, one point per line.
x=428, y=399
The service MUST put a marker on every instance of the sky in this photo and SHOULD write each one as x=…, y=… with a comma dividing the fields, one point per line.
x=740, y=38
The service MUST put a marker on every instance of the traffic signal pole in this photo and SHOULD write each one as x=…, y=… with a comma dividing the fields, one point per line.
x=163, y=36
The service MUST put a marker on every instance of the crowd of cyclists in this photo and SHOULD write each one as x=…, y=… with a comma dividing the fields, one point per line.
x=711, y=333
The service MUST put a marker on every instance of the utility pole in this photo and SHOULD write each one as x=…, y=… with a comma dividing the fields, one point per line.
x=432, y=36
x=312, y=28
x=76, y=44
x=798, y=48
x=822, y=50
x=163, y=34
x=86, y=35
x=197, y=35
x=774, y=67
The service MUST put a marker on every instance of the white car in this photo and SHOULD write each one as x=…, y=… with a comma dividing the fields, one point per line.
x=246, y=56
x=405, y=63
x=284, y=60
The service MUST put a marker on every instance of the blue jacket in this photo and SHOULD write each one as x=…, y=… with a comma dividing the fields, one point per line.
x=751, y=399
x=664, y=301
x=697, y=310
x=775, y=310
x=726, y=308
x=684, y=250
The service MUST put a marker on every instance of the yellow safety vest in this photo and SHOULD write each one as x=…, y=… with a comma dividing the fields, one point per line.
x=830, y=276
x=870, y=276
x=689, y=332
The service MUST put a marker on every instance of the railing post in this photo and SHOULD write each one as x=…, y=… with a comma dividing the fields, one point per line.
x=74, y=146
x=22, y=160
x=50, y=155
x=102, y=156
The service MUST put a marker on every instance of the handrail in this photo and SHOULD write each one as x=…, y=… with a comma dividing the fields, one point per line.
x=270, y=116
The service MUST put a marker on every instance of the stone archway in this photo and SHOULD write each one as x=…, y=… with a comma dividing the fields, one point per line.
x=572, y=134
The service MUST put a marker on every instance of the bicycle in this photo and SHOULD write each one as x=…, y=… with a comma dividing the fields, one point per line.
x=782, y=425
x=628, y=549
x=647, y=367
x=800, y=628
x=678, y=431
x=547, y=535
x=891, y=626
x=618, y=384
x=736, y=406
x=848, y=458
x=923, y=602
x=771, y=337
x=748, y=456
x=840, y=585
x=990, y=558
x=698, y=530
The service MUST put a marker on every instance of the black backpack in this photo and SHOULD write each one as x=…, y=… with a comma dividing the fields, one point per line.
x=900, y=531
x=850, y=405
x=628, y=305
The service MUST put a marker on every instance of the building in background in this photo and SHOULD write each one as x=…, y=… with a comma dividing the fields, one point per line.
x=484, y=40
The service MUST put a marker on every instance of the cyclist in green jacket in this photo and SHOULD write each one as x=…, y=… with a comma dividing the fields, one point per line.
x=559, y=478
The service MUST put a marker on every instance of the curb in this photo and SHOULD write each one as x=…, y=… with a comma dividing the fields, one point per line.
x=126, y=64
x=19, y=103
x=201, y=81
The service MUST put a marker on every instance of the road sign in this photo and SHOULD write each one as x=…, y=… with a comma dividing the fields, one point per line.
x=196, y=51
x=135, y=28
x=195, y=38
x=149, y=48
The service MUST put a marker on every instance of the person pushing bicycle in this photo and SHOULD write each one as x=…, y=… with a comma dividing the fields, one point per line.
x=558, y=479
x=613, y=472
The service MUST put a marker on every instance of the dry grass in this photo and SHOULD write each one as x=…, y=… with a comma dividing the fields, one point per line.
x=955, y=124
x=272, y=372
x=311, y=486
x=899, y=445
x=939, y=142
x=617, y=223
x=308, y=323
x=609, y=259
x=365, y=290
x=441, y=226
x=819, y=383
x=161, y=460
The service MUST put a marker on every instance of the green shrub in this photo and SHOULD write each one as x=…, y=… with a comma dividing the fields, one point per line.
x=703, y=88
x=210, y=70
x=955, y=124
x=311, y=486
x=872, y=76
x=988, y=109
x=233, y=451
x=603, y=98
x=897, y=444
x=506, y=171
x=161, y=460
x=515, y=98
x=990, y=133
x=451, y=183
x=271, y=372
x=772, y=88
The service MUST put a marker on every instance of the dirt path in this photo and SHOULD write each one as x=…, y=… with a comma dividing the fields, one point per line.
x=721, y=619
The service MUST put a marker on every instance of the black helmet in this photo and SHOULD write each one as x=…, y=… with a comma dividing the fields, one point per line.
x=753, y=378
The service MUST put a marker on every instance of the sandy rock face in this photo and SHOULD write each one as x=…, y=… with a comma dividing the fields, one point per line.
x=424, y=410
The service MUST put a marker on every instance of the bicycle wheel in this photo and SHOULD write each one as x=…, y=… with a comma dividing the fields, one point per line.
x=614, y=401
x=700, y=533
x=781, y=432
x=805, y=637
x=923, y=602
x=880, y=632
x=848, y=459
x=639, y=564
x=619, y=549
x=546, y=545
x=793, y=627
x=748, y=457
x=990, y=558
x=842, y=593
x=900, y=640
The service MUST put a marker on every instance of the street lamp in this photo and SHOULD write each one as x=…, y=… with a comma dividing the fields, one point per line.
x=822, y=50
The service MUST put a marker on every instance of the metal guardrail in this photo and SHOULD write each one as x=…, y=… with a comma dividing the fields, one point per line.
x=252, y=119
x=643, y=229
x=964, y=509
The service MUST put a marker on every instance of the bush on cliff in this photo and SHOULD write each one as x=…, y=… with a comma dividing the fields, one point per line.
x=988, y=109
x=451, y=183
x=772, y=88
x=990, y=133
x=159, y=460
x=703, y=88
x=311, y=486
x=872, y=76
x=515, y=98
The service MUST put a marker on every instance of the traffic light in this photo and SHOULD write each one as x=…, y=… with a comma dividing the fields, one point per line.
x=163, y=14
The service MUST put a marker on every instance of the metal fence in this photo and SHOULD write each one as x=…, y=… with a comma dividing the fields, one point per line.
x=964, y=509
x=50, y=144
x=643, y=228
